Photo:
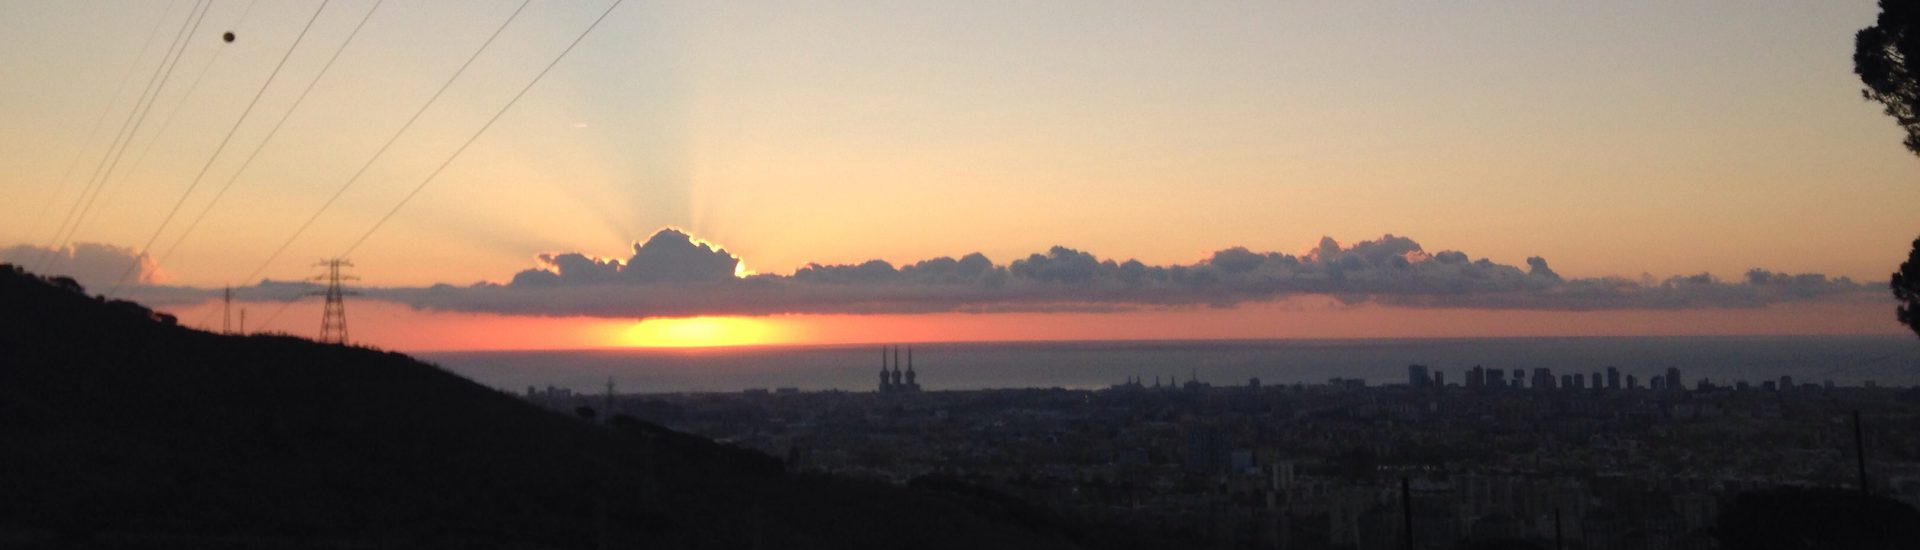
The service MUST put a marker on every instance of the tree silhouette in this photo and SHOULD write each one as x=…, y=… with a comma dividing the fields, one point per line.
x=1883, y=56
x=1906, y=288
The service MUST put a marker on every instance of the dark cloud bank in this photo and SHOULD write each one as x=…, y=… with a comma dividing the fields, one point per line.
x=673, y=274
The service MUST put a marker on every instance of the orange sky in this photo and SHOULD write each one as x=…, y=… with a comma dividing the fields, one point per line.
x=1612, y=138
x=399, y=327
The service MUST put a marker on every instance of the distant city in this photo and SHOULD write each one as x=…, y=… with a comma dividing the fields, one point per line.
x=1846, y=360
x=1590, y=460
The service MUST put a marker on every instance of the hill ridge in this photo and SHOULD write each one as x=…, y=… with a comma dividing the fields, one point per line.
x=129, y=430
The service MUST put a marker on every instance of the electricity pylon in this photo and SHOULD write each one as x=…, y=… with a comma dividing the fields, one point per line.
x=333, y=317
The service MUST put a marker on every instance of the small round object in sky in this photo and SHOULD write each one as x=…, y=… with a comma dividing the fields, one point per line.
x=227, y=37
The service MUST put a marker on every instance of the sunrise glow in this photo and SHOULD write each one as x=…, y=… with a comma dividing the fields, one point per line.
x=1238, y=127
x=697, y=332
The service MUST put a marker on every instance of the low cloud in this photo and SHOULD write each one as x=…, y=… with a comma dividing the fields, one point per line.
x=94, y=265
x=673, y=274
x=670, y=256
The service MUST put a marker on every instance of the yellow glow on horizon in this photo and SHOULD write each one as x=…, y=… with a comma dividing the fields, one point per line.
x=697, y=332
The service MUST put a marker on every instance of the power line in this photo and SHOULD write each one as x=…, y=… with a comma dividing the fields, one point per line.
x=100, y=121
x=57, y=241
x=270, y=134
x=138, y=118
x=483, y=129
x=224, y=141
x=383, y=148
x=172, y=114
x=277, y=311
x=463, y=147
x=135, y=118
x=370, y=161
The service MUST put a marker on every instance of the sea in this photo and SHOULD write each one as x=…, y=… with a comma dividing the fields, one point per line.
x=1842, y=360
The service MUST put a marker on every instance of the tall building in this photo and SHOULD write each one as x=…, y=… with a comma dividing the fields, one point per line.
x=1417, y=376
x=1439, y=379
x=1673, y=380
x=1613, y=378
x=1543, y=378
x=1194, y=383
x=1595, y=384
x=1497, y=378
x=1476, y=377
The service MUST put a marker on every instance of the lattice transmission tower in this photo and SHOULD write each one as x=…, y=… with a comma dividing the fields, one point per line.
x=333, y=316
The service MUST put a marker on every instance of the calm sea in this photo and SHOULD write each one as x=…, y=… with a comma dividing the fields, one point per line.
x=1846, y=360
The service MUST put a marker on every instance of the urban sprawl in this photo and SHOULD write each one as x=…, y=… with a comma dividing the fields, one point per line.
x=1593, y=460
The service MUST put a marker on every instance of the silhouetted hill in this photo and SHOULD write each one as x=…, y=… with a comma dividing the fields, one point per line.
x=122, y=429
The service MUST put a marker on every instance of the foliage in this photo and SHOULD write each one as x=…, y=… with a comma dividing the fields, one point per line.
x=1884, y=57
x=1906, y=289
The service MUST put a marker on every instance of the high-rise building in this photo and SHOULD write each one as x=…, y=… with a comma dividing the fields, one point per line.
x=1595, y=381
x=1673, y=380
x=1632, y=382
x=1439, y=379
x=1476, y=377
x=1497, y=378
x=1613, y=378
x=1417, y=376
x=1543, y=379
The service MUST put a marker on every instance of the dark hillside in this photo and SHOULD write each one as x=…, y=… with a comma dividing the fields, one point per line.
x=120, y=429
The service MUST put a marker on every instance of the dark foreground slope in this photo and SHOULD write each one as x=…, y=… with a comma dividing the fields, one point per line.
x=120, y=429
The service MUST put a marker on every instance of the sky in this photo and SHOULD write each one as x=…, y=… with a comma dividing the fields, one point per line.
x=1623, y=142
